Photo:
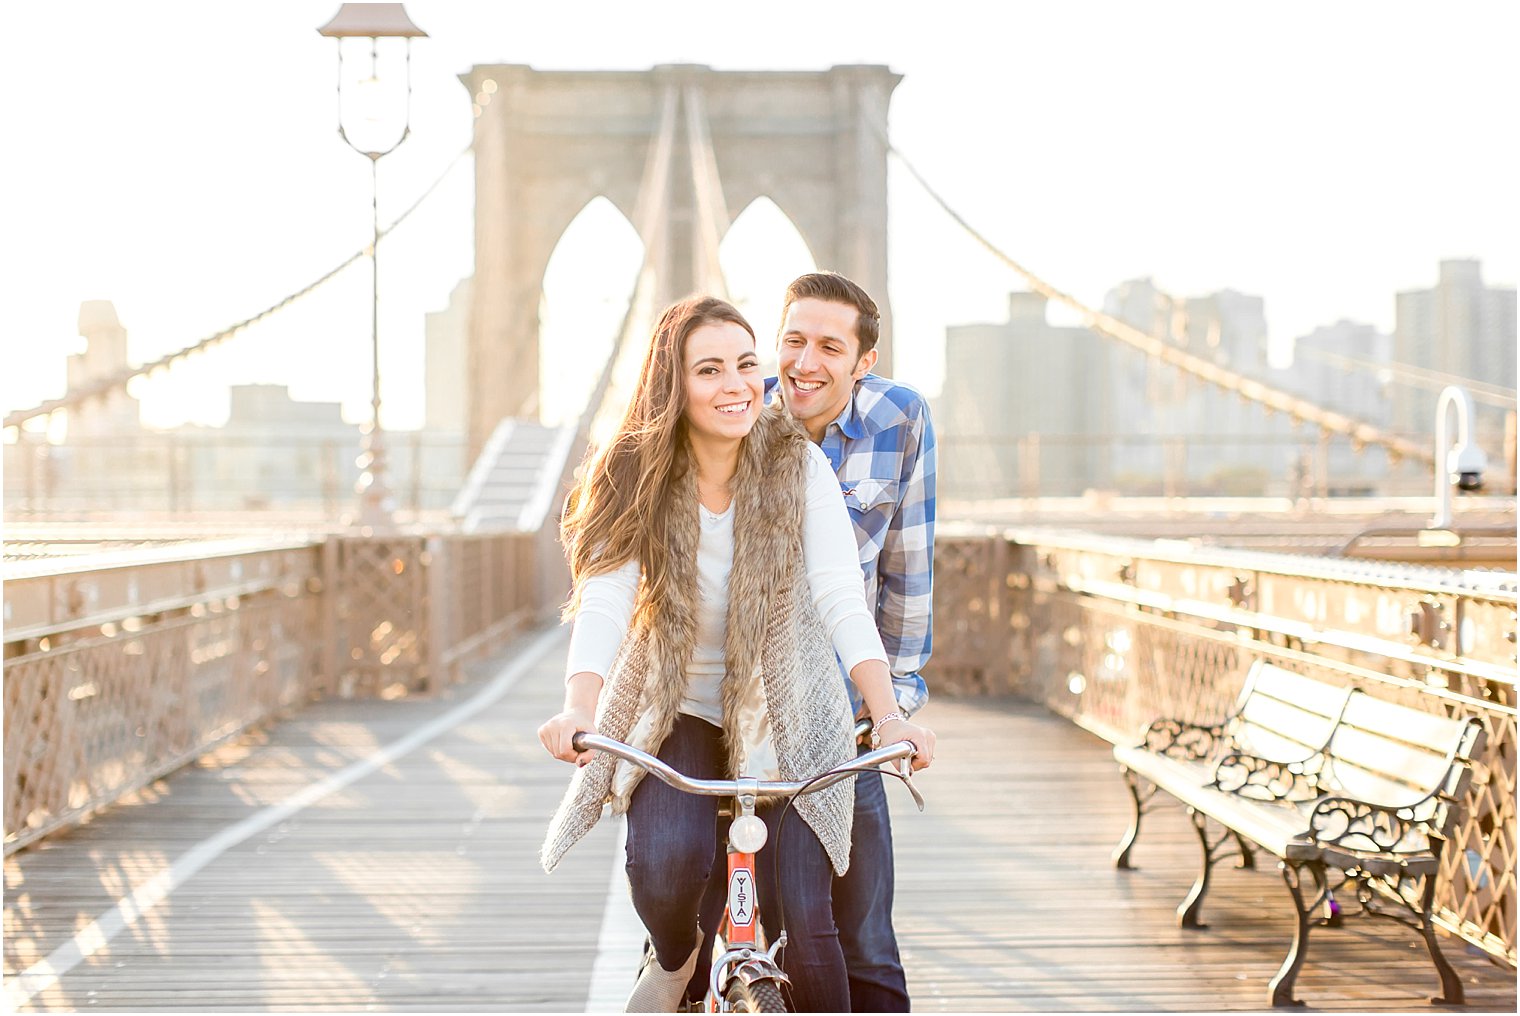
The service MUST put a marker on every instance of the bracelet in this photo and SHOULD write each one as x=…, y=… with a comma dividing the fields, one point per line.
x=876, y=729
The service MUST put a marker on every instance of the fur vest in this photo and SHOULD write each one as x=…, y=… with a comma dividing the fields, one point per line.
x=781, y=689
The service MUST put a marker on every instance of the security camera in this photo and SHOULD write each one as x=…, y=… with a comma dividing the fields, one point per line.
x=1465, y=463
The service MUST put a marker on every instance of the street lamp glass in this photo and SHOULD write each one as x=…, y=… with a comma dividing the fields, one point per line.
x=374, y=74
x=369, y=101
x=374, y=93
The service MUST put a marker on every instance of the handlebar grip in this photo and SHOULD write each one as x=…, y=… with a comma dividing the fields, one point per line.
x=578, y=742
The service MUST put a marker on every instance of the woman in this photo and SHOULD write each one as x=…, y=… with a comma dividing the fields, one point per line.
x=715, y=577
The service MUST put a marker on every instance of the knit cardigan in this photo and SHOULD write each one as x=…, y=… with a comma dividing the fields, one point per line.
x=779, y=659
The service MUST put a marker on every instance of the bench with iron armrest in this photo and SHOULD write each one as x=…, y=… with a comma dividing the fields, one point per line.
x=1357, y=793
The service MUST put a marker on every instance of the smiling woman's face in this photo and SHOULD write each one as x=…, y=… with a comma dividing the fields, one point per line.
x=724, y=389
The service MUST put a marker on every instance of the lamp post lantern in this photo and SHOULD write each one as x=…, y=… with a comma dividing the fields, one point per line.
x=367, y=123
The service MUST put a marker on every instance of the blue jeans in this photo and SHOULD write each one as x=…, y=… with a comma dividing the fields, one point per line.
x=863, y=906
x=677, y=868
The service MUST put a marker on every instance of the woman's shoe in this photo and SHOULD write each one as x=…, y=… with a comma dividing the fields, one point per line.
x=658, y=989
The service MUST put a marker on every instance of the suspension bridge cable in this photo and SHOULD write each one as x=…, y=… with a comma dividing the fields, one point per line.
x=1415, y=377
x=119, y=381
x=1359, y=432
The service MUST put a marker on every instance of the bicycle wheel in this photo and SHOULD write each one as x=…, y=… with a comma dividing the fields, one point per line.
x=763, y=995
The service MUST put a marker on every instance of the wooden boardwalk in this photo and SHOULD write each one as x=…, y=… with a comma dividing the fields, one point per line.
x=406, y=879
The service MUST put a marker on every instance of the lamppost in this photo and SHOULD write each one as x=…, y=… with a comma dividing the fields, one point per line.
x=363, y=103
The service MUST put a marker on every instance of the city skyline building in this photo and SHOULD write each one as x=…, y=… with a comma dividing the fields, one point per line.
x=1177, y=432
x=1023, y=405
x=1345, y=367
x=272, y=450
x=104, y=355
x=1462, y=327
x=1032, y=407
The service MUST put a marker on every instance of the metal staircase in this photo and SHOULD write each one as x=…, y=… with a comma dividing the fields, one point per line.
x=513, y=481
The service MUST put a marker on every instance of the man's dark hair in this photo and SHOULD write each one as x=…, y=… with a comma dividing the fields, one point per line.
x=835, y=288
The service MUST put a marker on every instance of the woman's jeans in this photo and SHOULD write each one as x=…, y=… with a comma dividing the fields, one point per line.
x=676, y=874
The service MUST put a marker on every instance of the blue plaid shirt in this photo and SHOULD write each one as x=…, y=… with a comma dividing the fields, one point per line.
x=882, y=449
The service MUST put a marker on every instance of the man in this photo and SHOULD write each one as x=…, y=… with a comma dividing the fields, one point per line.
x=878, y=435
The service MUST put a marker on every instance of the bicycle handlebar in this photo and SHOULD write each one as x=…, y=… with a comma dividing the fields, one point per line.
x=583, y=741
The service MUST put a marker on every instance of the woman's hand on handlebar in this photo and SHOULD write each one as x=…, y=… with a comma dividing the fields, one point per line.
x=559, y=729
x=582, y=691
x=922, y=737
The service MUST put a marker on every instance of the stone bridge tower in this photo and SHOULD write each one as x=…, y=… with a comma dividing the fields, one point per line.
x=548, y=142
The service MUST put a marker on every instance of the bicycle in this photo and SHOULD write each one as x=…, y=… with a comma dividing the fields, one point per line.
x=747, y=977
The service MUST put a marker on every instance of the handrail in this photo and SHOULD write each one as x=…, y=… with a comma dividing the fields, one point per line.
x=1344, y=550
x=1497, y=585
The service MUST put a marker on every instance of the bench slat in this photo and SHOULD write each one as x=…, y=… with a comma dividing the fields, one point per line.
x=1303, y=692
x=1435, y=733
x=1271, y=745
x=1367, y=762
x=1269, y=718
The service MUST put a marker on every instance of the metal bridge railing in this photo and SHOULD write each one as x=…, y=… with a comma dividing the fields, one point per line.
x=122, y=666
x=1116, y=632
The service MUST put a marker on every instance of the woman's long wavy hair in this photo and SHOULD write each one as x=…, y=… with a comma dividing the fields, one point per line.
x=617, y=512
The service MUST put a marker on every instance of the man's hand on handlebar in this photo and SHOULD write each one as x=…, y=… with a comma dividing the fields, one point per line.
x=558, y=731
x=922, y=737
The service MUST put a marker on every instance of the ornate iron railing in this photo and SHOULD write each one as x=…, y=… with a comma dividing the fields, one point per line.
x=1115, y=633
x=122, y=666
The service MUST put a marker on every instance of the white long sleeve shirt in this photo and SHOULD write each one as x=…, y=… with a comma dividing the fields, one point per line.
x=834, y=578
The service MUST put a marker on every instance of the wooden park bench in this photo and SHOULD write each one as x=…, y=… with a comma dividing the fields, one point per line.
x=1355, y=792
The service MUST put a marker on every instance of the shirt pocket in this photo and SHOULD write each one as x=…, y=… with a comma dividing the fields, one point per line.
x=870, y=495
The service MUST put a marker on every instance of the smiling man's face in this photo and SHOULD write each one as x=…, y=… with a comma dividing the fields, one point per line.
x=819, y=361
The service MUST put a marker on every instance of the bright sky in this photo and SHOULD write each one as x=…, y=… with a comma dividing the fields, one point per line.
x=181, y=160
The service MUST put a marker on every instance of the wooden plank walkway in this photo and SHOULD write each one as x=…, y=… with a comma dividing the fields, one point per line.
x=414, y=884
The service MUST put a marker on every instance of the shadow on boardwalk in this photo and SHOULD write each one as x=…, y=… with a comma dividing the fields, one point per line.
x=415, y=884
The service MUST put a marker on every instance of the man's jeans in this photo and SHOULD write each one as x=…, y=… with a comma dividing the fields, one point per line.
x=863, y=906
